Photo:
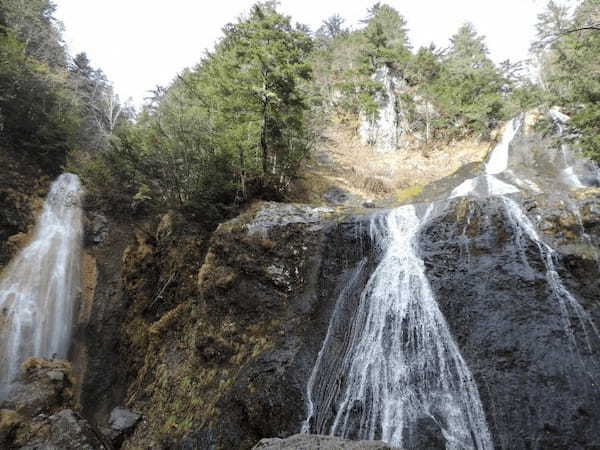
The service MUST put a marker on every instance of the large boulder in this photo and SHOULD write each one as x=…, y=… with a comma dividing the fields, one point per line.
x=316, y=442
x=37, y=414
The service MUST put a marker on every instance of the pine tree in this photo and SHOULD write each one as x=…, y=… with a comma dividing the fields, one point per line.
x=260, y=67
x=387, y=37
x=469, y=88
x=234, y=126
x=569, y=48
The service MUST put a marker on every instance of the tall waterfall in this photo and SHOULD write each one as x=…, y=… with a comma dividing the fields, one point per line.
x=394, y=367
x=39, y=287
x=400, y=363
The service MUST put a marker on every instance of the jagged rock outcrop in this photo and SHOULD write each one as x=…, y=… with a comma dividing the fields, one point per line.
x=385, y=129
x=214, y=334
x=222, y=358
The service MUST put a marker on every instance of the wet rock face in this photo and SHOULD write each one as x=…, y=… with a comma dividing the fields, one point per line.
x=280, y=281
x=223, y=357
x=97, y=229
x=537, y=390
x=43, y=387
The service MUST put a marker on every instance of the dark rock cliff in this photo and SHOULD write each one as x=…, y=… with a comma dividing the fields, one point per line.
x=538, y=390
x=213, y=336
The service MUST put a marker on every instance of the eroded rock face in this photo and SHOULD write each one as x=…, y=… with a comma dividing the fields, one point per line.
x=219, y=354
x=537, y=389
x=282, y=282
x=384, y=129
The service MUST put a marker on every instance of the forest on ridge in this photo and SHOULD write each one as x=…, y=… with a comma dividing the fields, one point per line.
x=241, y=123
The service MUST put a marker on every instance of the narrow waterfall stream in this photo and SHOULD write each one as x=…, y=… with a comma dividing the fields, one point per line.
x=401, y=364
x=39, y=287
x=567, y=302
x=523, y=227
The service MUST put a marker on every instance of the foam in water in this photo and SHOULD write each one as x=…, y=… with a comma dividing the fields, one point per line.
x=39, y=287
x=401, y=363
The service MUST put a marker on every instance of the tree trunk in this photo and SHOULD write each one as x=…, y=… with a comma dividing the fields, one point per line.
x=263, y=141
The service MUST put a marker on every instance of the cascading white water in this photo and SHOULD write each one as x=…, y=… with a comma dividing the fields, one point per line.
x=39, y=287
x=498, y=160
x=567, y=174
x=488, y=184
x=401, y=363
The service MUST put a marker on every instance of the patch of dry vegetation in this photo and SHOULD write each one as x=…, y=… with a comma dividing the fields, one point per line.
x=342, y=161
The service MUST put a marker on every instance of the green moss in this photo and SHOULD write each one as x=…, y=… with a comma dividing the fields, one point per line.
x=404, y=196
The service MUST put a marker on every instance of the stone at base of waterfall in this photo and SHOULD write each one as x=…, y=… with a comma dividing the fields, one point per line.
x=9, y=423
x=122, y=422
x=313, y=442
x=43, y=387
x=65, y=430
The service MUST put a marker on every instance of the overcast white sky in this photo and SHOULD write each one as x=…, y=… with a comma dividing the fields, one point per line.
x=143, y=43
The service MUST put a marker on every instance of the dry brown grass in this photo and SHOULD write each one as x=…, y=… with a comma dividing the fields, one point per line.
x=364, y=172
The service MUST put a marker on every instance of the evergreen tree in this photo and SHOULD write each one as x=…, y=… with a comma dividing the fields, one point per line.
x=36, y=114
x=387, y=37
x=569, y=48
x=260, y=66
x=469, y=88
x=234, y=127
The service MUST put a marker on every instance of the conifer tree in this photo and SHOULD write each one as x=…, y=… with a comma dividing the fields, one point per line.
x=468, y=88
x=569, y=47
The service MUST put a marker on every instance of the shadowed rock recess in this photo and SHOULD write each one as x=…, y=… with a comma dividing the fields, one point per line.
x=465, y=321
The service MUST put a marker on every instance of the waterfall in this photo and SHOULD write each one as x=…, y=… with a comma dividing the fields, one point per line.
x=522, y=226
x=498, y=160
x=488, y=184
x=39, y=287
x=394, y=363
x=401, y=363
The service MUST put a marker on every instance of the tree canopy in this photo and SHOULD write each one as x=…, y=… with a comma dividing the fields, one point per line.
x=568, y=46
x=233, y=127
